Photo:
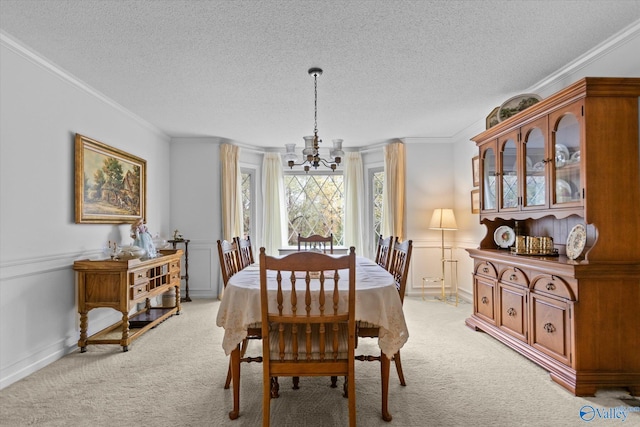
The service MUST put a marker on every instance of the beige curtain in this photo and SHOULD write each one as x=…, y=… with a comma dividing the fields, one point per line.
x=231, y=191
x=393, y=193
x=273, y=232
x=355, y=205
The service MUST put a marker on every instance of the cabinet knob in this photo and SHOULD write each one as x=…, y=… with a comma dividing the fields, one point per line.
x=549, y=328
x=140, y=275
x=485, y=270
x=550, y=286
x=485, y=300
x=513, y=277
x=511, y=312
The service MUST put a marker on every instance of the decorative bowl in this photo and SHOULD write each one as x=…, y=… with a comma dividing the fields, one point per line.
x=131, y=252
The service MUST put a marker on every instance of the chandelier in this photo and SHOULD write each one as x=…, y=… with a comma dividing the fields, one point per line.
x=311, y=152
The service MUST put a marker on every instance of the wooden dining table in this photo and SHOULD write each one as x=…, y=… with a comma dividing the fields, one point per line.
x=377, y=302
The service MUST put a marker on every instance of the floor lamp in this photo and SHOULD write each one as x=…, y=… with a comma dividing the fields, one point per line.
x=443, y=219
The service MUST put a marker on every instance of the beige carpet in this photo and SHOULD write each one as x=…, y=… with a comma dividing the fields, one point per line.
x=173, y=376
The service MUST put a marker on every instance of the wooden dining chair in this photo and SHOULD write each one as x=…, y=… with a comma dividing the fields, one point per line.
x=228, y=254
x=315, y=242
x=245, y=251
x=399, y=269
x=384, y=252
x=230, y=265
x=308, y=328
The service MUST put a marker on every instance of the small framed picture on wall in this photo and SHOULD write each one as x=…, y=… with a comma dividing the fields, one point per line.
x=475, y=170
x=475, y=201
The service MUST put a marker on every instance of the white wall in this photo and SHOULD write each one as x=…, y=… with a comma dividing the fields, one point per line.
x=41, y=109
x=196, y=209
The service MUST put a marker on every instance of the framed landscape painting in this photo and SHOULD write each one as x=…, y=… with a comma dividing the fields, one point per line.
x=110, y=185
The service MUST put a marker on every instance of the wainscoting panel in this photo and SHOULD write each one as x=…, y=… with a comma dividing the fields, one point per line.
x=204, y=270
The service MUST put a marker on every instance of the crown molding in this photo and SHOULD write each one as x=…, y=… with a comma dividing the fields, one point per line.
x=428, y=140
x=623, y=36
x=10, y=43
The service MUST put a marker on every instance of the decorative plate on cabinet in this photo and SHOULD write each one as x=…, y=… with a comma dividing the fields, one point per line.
x=516, y=104
x=504, y=236
x=576, y=241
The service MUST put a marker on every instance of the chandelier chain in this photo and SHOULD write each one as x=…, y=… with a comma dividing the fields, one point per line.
x=315, y=103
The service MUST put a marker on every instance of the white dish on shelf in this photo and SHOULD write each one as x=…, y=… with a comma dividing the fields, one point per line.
x=538, y=166
x=576, y=241
x=563, y=190
x=562, y=155
x=504, y=236
x=575, y=157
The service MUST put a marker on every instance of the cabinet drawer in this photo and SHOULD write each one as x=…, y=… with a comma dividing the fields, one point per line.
x=139, y=277
x=484, y=300
x=175, y=277
x=486, y=269
x=140, y=290
x=174, y=266
x=554, y=286
x=515, y=276
x=551, y=327
x=512, y=317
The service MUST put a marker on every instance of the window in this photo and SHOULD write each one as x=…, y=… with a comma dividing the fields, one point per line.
x=248, y=194
x=315, y=205
x=377, y=184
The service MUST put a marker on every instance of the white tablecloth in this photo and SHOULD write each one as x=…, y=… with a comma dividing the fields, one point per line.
x=377, y=302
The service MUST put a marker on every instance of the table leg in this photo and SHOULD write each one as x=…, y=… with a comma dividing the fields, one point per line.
x=384, y=373
x=235, y=382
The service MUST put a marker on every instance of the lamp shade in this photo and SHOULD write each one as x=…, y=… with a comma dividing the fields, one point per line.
x=443, y=219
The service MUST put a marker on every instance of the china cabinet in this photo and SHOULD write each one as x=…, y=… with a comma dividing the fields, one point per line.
x=121, y=285
x=573, y=158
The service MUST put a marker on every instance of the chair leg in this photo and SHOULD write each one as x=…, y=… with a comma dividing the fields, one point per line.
x=296, y=383
x=350, y=380
x=398, y=363
x=334, y=381
x=267, y=388
x=384, y=373
x=345, y=388
x=275, y=388
x=243, y=349
x=235, y=373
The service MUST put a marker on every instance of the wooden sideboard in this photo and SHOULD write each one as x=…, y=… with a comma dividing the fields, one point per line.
x=121, y=285
x=572, y=158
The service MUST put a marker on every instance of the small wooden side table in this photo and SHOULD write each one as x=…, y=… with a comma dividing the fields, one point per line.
x=186, y=266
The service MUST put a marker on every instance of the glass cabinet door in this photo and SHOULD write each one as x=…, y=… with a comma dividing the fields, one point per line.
x=566, y=171
x=508, y=165
x=535, y=166
x=489, y=183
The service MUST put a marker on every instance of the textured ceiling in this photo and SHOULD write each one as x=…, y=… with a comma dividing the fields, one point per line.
x=238, y=69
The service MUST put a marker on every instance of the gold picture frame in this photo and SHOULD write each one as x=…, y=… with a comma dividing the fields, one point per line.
x=475, y=170
x=110, y=184
x=475, y=201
